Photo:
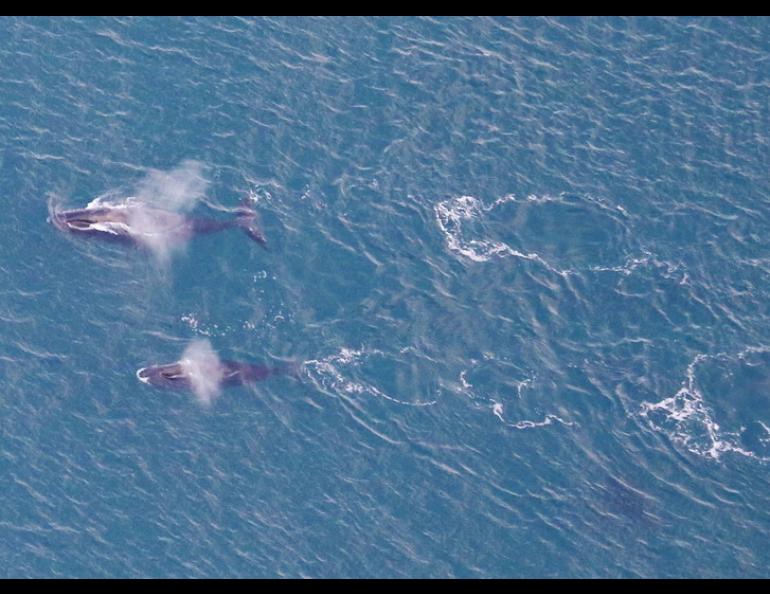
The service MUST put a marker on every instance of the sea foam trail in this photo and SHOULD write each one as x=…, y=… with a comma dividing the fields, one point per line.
x=463, y=220
x=202, y=365
x=691, y=423
x=332, y=375
x=450, y=216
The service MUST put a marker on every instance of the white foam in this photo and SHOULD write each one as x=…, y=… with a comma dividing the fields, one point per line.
x=202, y=365
x=498, y=408
x=464, y=382
x=450, y=216
x=667, y=269
x=765, y=440
x=689, y=421
x=199, y=328
x=454, y=215
x=329, y=374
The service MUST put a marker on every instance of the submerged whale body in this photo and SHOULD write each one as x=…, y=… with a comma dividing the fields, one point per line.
x=179, y=376
x=135, y=222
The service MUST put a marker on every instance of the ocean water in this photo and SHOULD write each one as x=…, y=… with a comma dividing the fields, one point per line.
x=523, y=266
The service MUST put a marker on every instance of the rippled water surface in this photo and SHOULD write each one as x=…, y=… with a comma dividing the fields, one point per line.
x=522, y=266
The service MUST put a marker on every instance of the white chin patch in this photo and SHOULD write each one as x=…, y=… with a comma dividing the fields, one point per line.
x=113, y=227
x=144, y=380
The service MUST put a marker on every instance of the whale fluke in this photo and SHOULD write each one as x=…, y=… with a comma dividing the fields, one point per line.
x=248, y=221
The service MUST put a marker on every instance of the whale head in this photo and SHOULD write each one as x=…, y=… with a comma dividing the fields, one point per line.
x=112, y=221
x=172, y=376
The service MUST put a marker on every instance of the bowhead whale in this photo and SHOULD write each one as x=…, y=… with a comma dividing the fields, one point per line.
x=201, y=371
x=179, y=376
x=135, y=222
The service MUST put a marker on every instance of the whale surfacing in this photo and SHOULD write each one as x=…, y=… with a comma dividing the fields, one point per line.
x=135, y=222
x=179, y=376
x=201, y=371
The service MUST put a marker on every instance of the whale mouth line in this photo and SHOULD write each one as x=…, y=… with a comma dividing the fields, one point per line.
x=80, y=223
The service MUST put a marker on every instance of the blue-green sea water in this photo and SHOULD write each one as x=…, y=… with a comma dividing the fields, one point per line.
x=523, y=265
